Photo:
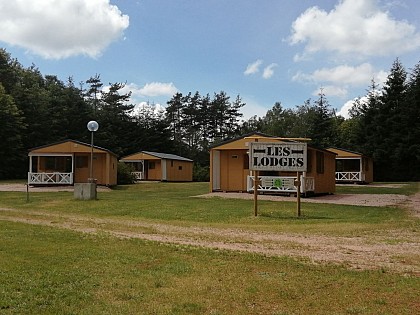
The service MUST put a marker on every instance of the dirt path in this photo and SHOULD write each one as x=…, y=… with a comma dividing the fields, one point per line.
x=59, y=188
x=396, y=251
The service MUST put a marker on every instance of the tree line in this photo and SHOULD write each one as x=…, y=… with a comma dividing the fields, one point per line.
x=384, y=124
x=38, y=109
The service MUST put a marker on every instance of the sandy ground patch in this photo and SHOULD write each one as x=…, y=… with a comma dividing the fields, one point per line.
x=347, y=199
x=22, y=187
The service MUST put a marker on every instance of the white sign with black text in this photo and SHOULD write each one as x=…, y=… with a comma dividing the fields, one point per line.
x=278, y=156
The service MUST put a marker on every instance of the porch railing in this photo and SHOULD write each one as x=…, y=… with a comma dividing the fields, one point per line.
x=281, y=184
x=349, y=176
x=138, y=175
x=50, y=178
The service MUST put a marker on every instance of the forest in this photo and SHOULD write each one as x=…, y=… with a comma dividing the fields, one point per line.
x=37, y=109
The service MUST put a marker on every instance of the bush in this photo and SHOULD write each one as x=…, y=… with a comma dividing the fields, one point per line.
x=124, y=176
x=201, y=173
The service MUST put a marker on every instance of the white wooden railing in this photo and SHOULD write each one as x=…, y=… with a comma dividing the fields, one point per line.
x=349, y=176
x=281, y=184
x=138, y=175
x=50, y=178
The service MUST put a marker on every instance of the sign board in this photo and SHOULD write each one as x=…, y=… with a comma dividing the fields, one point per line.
x=278, y=156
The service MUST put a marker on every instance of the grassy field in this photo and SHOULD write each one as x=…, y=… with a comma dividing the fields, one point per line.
x=49, y=270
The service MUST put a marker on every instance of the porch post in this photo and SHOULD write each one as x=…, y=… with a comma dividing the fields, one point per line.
x=360, y=168
x=72, y=169
x=30, y=168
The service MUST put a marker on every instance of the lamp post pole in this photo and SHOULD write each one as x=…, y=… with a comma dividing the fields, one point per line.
x=91, y=157
x=92, y=127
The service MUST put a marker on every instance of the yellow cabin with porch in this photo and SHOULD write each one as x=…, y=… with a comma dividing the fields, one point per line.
x=149, y=165
x=352, y=167
x=229, y=169
x=68, y=162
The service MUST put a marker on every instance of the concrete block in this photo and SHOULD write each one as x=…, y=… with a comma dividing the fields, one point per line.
x=85, y=191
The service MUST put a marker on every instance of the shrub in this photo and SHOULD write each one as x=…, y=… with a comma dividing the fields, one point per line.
x=124, y=176
x=201, y=173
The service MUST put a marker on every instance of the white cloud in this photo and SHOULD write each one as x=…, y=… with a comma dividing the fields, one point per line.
x=343, y=75
x=60, y=29
x=154, y=89
x=154, y=109
x=269, y=71
x=332, y=90
x=344, y=111
x=353, y=27
x=254, y=67
x=252, y=108
x=158, y=89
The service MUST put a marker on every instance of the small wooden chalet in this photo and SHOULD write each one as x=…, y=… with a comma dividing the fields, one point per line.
x=229, y=169
x=68, y=162
x=352, y=167
x=160, y=166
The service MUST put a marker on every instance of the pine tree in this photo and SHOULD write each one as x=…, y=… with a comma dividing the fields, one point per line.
x=412, y=125
x=11, y=133
x=390, y=126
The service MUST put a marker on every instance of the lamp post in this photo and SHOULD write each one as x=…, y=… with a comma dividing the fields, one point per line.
x=92, y=126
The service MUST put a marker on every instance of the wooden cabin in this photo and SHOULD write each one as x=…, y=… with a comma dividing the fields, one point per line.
x=352, y=167
x=68, y=162
x=229, y=169
x=160, y=166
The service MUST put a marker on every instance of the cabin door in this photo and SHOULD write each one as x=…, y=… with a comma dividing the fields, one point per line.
x=216, y=170
x=235, y=171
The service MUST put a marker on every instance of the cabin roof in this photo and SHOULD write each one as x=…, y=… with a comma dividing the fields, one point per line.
x=73, y=141
x=260, y=135
x=165, y=156
x=345, y=152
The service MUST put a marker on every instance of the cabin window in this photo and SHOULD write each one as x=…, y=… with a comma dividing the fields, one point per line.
x=172, y=163
x=246, y=161
x=34, y=164
x=58, y=163
x=180, y=168
x=81, y=161
x=50, y=163
x=339, y=167
x=320, y=162
x=350, y=165
x=152, y=165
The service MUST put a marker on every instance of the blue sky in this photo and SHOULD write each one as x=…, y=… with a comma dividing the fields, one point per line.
x=266, y=51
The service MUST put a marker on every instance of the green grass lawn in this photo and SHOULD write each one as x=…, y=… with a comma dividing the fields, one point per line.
x=49, y=271
x=46, y=270
x=173, y=202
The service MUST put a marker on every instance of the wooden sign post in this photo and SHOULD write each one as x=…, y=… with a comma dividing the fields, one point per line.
x=297, y=184
x=280, y=157
x=256, y=183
